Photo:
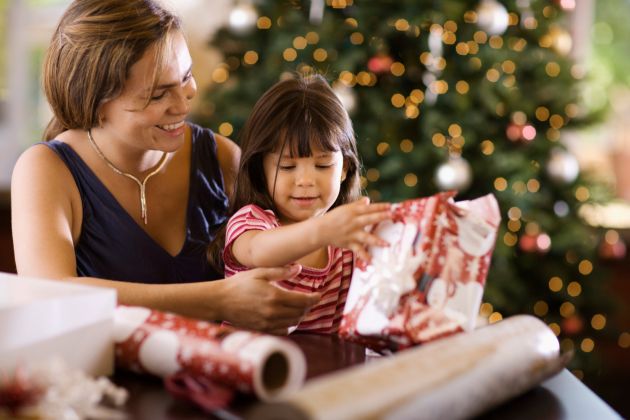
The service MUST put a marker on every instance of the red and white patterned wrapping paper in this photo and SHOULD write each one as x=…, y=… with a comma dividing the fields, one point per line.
x=429, y=282
x=165, y=344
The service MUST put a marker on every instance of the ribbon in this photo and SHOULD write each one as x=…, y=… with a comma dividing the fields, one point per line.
x=391, y=275
x=199, y=389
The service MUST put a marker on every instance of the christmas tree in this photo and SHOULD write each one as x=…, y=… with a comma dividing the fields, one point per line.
x=470, y=95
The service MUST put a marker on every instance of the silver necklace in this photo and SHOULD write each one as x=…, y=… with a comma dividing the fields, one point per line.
x=141, y=184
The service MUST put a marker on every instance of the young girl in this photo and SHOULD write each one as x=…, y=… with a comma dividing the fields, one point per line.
x=299, y=160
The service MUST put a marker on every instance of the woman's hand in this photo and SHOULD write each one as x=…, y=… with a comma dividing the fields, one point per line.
x=251, y=300
x=345, y=226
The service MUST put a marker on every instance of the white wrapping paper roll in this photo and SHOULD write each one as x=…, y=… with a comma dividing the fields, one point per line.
x=164, y=344
x=452, y=378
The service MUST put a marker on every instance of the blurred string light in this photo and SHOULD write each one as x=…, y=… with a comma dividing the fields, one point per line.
x=406, y=146
x=486, y=309
x=555, y=328
x=541, y=308
x=263, y=23
x=250, y=58
x=598, y=322
x=557, y=38
x=495, y=317
x=220, y=74
x=574, y=289
x=561, y=208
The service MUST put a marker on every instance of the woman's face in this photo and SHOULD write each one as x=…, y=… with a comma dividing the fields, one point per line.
x=160, y=125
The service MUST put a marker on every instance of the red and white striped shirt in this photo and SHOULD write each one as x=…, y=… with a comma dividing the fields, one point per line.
x=331, y=281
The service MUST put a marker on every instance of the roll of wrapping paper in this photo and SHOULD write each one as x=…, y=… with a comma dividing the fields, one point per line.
x=456, y=377
x=165, y=344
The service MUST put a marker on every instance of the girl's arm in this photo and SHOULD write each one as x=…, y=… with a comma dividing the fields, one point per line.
x=45, y=206
x=343, y=227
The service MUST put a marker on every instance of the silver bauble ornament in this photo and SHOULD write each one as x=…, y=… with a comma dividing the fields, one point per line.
x=455, y=174
x=492, y=17
x=562, y=167
x=243, y=18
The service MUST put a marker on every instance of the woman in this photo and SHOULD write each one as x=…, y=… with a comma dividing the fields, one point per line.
x=125, y=193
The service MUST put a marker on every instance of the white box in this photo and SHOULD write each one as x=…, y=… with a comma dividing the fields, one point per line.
x=41, y=319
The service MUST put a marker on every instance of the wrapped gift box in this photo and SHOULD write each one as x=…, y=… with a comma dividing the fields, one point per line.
x=429, y=282
x=41, y=319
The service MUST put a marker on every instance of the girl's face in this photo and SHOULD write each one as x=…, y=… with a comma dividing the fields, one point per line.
x=160, y=125
x=303, y=187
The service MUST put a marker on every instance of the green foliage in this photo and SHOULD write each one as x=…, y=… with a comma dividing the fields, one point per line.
x=611, y=39
x=493, y=83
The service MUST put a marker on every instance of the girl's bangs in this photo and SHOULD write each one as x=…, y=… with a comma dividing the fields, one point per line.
x=301, y=135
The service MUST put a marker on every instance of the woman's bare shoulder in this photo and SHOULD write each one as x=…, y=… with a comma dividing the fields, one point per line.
x=38, y=157
x=227, y=148
x=229, y=155
x=40, y=173
x=41, y=160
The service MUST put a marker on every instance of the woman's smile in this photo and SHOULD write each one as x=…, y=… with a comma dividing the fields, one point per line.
x=173, y=130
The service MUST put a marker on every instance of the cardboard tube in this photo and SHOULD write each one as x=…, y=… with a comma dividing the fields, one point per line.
x=456, y=377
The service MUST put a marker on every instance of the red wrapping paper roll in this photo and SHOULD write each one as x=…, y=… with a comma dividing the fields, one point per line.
x=165, y=344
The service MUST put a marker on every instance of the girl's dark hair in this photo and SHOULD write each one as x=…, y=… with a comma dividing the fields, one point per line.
x=294, y=114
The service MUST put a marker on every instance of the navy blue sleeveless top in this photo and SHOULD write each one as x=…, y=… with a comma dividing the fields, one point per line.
x=112, y=245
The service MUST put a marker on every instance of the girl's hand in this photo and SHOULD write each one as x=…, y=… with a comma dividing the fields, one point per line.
x=345, y=226
x=252, y=301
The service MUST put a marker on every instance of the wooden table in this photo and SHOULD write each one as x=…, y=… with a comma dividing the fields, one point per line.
x=560, y=397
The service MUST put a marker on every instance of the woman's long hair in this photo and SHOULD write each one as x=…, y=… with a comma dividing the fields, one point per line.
x=91, y=54
x=295, y=114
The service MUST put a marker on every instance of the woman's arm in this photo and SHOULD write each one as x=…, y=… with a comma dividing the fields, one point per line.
x=247, y=300
x=46, y=222
x=344, y=226
x=46, y=215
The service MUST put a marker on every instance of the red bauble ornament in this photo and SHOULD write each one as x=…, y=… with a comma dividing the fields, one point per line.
x=539, y=242
x=527, y=243
x=572, y=325
x=520, y=132
x=380, y=64
x=612, y=251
